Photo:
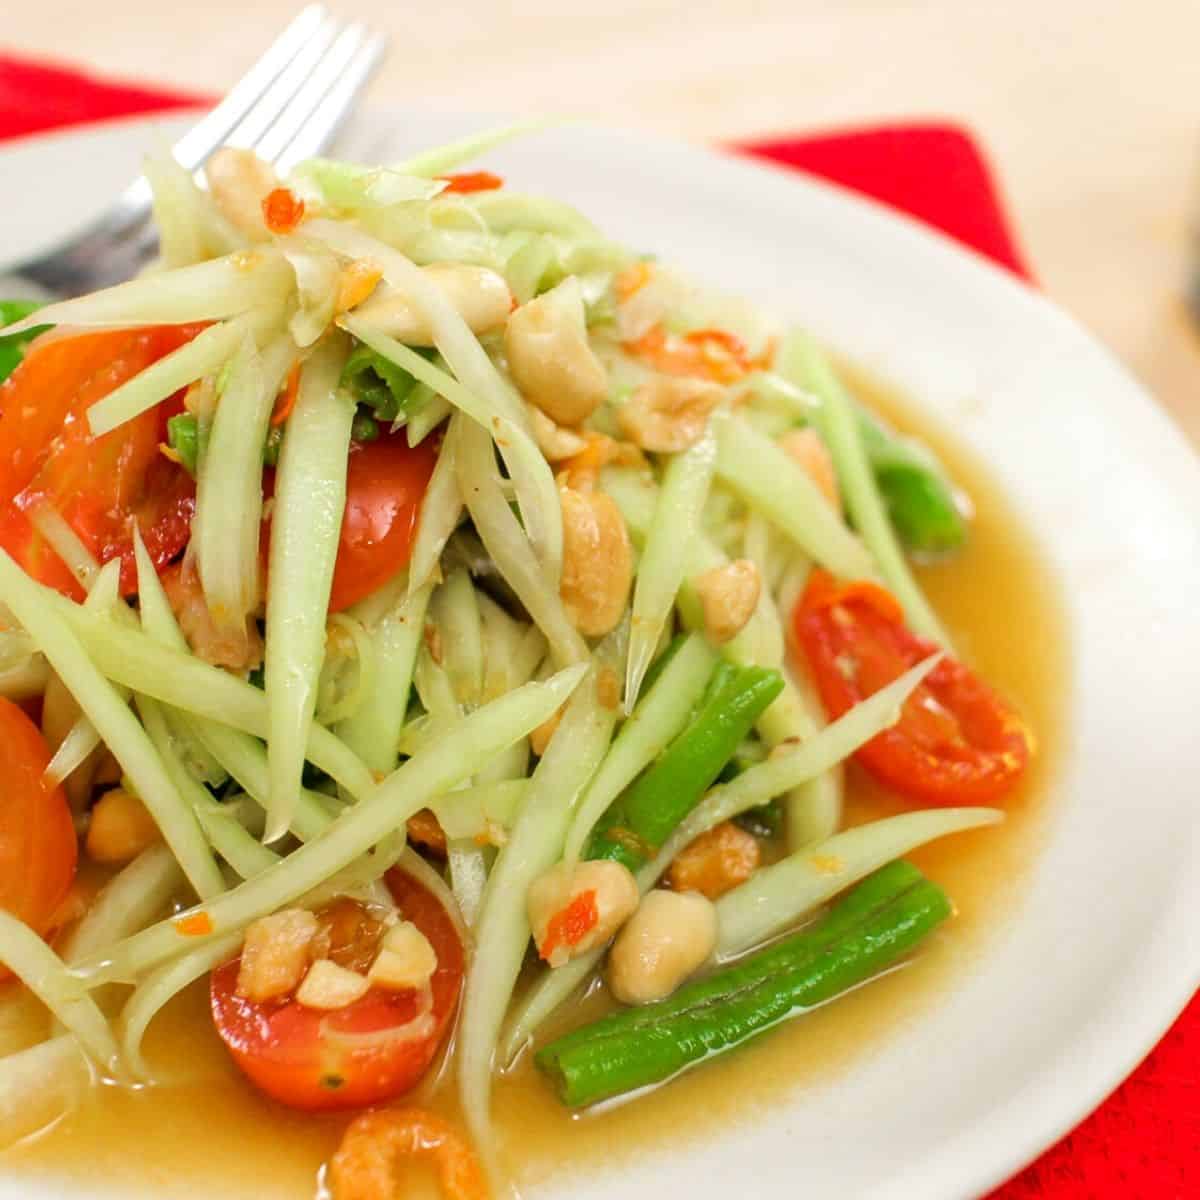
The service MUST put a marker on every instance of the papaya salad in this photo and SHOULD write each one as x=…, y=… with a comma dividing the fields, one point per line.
x=419, y=611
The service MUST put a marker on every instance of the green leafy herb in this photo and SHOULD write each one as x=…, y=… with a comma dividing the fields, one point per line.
x=12, y=347
x=379, y=385
x=183, y=436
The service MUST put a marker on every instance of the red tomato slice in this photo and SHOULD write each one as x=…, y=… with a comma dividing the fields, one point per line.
x=385, y=482
x=47, y=454
x=957, y=741
x=328, y=1060
x=37, y=836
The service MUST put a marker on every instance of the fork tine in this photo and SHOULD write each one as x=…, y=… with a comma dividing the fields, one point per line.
x=308, y=98
x=335, y=106
x=208, y=134
x=278, y=98
x=131, y=208
x=293, y=100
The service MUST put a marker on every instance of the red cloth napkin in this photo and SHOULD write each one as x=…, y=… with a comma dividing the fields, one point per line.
x=1144, y=1141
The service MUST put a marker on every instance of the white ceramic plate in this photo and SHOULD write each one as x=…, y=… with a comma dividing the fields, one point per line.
x=1106, y=950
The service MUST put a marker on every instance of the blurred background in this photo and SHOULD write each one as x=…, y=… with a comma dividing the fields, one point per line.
x=1086, y=108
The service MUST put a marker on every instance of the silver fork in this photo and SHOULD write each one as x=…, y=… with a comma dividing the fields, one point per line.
x=289, y=106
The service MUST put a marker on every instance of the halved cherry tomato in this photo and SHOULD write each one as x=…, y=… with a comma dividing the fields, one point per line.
x=48, y=455
x=385, y=481
x=957, y=741
x=38, y=848
x=328, y=1060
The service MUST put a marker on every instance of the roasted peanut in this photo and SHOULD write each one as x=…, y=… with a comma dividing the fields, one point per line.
x=120, y=828
x=479, y=295
x=555, y=442
x=582, y=471
x=328, y=986
x=716, y=862
x=275, y=954
x=550, y=359
x=575, y=909
x=805, y=447
x=669, y=413
x=669, y=937
x=405, y=959
x=239, y=181
x=728, y=596
x=597, y=561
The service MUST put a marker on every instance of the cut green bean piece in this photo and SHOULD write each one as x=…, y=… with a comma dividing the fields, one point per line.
x=660, y=715
x=672, y=787
x=920, y=499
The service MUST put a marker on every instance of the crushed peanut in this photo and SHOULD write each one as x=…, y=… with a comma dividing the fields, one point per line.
x=728, y=596
x=669, y=413
x=405, y=959
x=275, y=954
x=327, y=986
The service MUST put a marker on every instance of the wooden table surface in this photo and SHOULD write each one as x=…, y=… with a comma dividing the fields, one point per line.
x=1088, y=107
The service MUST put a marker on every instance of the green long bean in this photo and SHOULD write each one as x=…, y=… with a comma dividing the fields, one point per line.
x=876, y=923
x=667, y=791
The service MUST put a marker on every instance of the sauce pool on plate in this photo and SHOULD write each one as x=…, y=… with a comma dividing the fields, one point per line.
x=204, y=1127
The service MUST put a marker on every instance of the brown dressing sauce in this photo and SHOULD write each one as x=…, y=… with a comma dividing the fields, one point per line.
x=214, y=1134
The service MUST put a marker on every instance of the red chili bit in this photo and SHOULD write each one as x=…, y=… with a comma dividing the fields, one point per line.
x=471, y=181
x=568, y=927
x=194, y=925
x=286, y=400
x=282, y=211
